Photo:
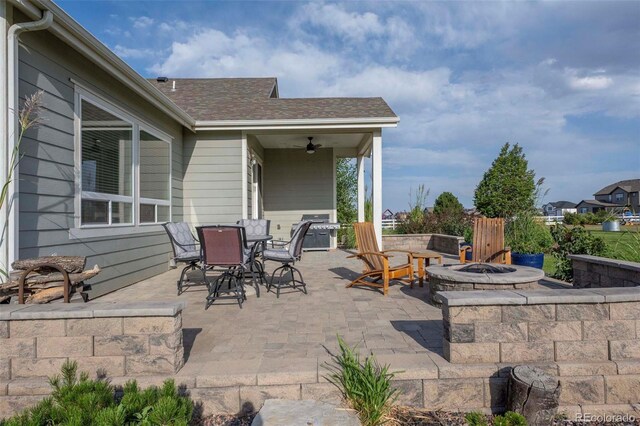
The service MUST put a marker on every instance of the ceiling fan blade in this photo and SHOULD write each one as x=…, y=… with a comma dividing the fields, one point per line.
x=318, y=145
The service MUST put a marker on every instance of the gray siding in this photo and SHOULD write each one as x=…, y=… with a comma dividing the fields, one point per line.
x=296, y=183
x=212, y=177
x=46, y=200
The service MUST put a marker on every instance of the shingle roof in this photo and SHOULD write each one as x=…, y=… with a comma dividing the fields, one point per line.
x=563, y=204
x=630, y=185
x=224, y=99
x=598, y=203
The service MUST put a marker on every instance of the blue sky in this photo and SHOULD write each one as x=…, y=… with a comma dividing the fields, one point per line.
x=562, y=79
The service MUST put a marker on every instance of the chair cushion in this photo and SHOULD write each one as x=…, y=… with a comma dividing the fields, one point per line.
x=277, y=255
x=181, y=234
x=188, y=256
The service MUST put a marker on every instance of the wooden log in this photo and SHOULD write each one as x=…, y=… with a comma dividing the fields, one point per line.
x=37, y=279
x=46, y=296
x=71, y=264
x=534, y=394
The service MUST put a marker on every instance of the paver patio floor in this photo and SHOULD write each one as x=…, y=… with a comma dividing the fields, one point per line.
x=291, y=335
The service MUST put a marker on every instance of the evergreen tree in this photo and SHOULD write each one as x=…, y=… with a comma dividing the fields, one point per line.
x=508, y=187
x=447, y=203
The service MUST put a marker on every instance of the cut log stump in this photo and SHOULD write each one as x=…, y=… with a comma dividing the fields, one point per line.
x=534, y=394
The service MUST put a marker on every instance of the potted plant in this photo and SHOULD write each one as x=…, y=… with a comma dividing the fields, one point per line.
x=529, y=239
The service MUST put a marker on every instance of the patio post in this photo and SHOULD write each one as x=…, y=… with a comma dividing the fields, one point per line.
x=361, y=194
x=376, y=174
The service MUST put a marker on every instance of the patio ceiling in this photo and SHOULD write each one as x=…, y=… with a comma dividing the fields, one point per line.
x=328, y=140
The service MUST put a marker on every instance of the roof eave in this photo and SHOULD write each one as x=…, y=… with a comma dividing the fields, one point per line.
x=304, y=123
x=72, y=33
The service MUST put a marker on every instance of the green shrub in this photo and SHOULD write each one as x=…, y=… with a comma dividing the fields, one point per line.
x=476, y=419
x=366, y=386
x=526, y=235
x=347, y=237
x=576, y=240
x=510, y=419
x=77, y=400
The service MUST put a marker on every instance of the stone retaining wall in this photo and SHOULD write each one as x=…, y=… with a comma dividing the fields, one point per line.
x=599, y=272
x=117, y=340
x=416, y=242
x=590, y=338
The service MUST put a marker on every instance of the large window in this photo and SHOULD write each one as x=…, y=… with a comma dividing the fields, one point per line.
x=125, y=170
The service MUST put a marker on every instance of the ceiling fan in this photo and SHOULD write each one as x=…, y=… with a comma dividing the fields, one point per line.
x=311, y=147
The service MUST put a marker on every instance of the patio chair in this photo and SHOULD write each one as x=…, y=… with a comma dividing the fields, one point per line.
x=287, y=253
x=488, y=242
x=256, y=227
x=185, y=249
x=376, y=262
x=224, y=246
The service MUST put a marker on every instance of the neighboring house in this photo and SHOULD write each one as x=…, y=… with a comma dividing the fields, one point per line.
x=387, y=214
x=617, y=196
x=594, y=206
x=558, y=208
x=625, y=193
x=117, y=154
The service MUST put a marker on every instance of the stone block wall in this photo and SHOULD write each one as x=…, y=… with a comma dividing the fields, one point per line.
x=134, y=339
x=601, y=272
x=590, y=339
x=419, y=242
x=541, y=325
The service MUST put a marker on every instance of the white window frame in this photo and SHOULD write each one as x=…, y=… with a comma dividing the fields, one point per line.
x=138, y=125
x=156, y=201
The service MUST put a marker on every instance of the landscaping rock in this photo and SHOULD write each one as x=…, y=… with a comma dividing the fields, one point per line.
x=283, y=412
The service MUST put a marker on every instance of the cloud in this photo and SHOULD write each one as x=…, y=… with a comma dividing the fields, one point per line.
x=464, y=79
x=132, y=53
x=142, y=22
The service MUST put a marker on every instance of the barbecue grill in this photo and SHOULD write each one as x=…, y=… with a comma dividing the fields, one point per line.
x=319, y=235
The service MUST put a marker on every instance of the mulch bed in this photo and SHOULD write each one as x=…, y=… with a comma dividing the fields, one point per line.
x=404, y=416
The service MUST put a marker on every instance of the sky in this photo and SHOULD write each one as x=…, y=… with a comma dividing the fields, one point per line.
x=562, y=79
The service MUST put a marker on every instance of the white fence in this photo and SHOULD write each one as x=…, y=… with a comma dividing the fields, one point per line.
x=550, y=220
x=390, y=223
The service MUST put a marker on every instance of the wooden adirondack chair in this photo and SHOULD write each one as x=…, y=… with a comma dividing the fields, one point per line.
x=488, y=242
x=376, y=262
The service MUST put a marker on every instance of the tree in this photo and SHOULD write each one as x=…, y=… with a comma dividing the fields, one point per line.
x=346, y=190
x=447, y=203
x=508, y=187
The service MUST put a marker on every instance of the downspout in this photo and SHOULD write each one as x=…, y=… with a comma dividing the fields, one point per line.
x=10, y=213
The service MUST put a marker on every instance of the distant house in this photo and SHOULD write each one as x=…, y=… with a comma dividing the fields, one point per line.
x=558, y=208
x=401, y=216
x=594, y=206
x=387, y=214
x=625, y=193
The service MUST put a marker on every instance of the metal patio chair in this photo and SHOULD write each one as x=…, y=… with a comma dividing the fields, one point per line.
x=185, y=249
x=224, y=246
x=287, y=253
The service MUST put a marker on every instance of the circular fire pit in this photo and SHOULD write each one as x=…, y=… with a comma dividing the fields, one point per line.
x=480, y=276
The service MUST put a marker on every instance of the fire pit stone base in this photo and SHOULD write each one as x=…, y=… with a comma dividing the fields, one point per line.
x=505, y=277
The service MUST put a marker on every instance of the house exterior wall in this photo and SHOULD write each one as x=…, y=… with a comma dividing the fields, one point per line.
x=296, y=183
x=46, y=171
x=212, y=177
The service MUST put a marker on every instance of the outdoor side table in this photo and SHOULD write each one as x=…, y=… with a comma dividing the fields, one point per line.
x=424, y=260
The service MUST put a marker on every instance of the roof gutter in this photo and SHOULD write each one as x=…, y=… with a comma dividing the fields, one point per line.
x=10, y=206
x=68, y=30
x=322, y=123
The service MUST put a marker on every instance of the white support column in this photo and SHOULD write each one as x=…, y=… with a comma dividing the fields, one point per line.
x=376, y=174
x=5, y=10
x=361, y=194
x=245, y=182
